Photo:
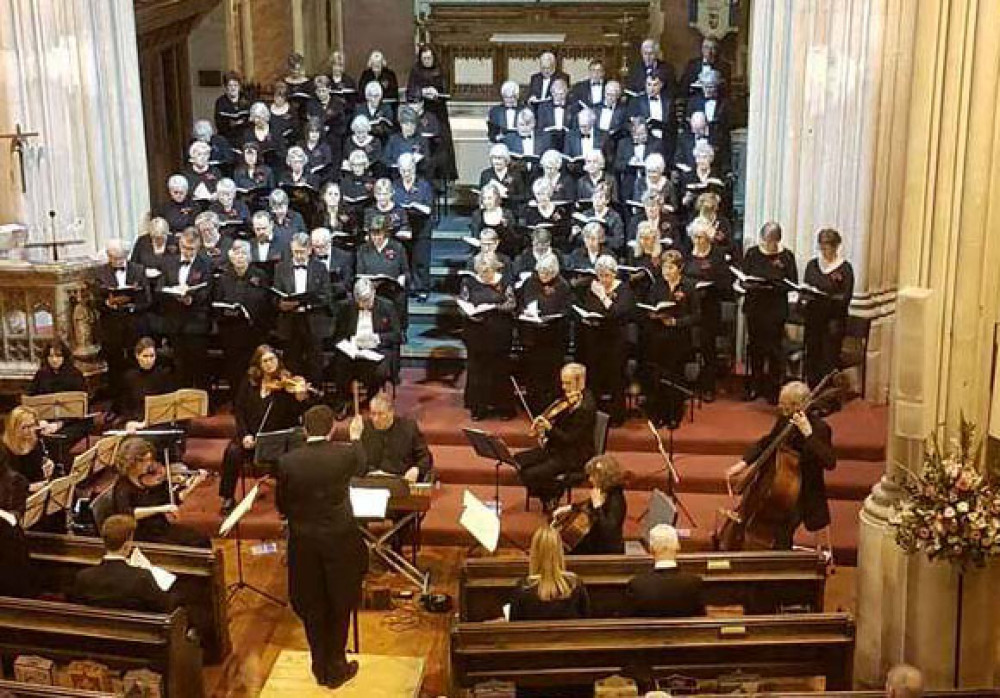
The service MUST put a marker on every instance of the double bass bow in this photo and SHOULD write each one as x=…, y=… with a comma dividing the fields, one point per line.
x=768, y=488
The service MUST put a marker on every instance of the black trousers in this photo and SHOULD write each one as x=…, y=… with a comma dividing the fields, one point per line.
x=708, y=331
x=823, y=339
x=370, y=374
x=233, y=460
x=767, y=359
x=419, y=249
x=324, y=584
x=538, y=470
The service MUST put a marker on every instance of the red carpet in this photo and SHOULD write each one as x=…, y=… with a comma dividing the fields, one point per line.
x=703, y=450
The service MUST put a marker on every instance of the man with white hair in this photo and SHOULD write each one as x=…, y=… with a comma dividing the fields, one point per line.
x=650, y=64
x=664, y=591
x=583, y=139
x=502, y=118
x=526, y=144
x=611, y=117
x=305, y=315
x=222, y=155
x=124, y=299
x=557, y=116
x=338, y=262
x=179, y=210
x=202, y=177
x=540, y=84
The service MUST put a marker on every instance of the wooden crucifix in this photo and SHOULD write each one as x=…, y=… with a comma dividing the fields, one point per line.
x=18, y=142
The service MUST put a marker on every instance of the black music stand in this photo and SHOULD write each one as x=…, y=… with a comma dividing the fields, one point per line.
x=487, y=445
x=232, y=522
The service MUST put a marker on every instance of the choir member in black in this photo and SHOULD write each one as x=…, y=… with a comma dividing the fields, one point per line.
x=656, y=180
x=704, y=178
x=179, y=210
x=650, y=64
x=233, y=214
x=501, y=119
x=211, y=242
x=392, y=443
x=407, y=140
x=605, y=507
x=631, y=154
x=122, y=314
x=147, y=377
x=254, y=179
x=664, y=591
x=766, y=310
x=494, y=215
x=241, y=327
x=17, y=579
x=222, y=155
x=367, y=323
x=305, y=316
x=268, y=399
x=566, y=437
x=357, y=189
x=666, y=340
x=138, y=492
x=386, y=213
x=543, y=329
x=590, y=92
x=266, y=250
x=644, y=255
x=513, y=192
x=699, y=131
x=581, y=141
x=58, y=374
x=603, y=337
x=540, y=83
x=270, y=145
x=285, y=113
x=186, y=296
x=811, y=440
x=298, y=85
x=707, y=205
x=716, y=111
x=660, y=220
x=489, y=243
x=287, y=221
x=382, y=255
x=557, y=116
x=526, y=144
x=232, y=109
x=545, y=213
x=708, y=268
x=338, y=263
x=825, y=312
x=300, y=186
x=541, y=247
x=361, y=138
x=582, y=260
x=563, y=185
x=697, y=68
x=379, y=112
x=657, y=111
x=487, y=335
x=320, y=163
x=415, y=196
x=327, y=558
x=342, y=84
x=330, y=111
x=550, y=591
x=611, y=118
x=336, y=217
x=592, y=176
x=601, y=212
x=427, y=78
x=22, y=451
x=153, y=251
x=201, y=176
x=380, y=73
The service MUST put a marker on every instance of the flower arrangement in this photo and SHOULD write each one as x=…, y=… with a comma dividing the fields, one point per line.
x=952, y=512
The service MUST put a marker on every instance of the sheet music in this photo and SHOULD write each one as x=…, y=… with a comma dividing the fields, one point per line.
x=164, y=579
x=239, y=512
x=481, y=521
x=369, y=502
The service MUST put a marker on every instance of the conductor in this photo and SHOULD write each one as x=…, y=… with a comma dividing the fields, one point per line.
x=327, y=559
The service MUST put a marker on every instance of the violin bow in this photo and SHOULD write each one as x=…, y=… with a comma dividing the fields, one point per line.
x=520, y=395
x=357, y=398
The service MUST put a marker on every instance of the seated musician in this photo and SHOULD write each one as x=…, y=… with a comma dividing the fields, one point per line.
x=148, y=377
x=17, y=579
x=114, y=583
x=367, y=322
x=303, y=322
x=605, y=509
x=550, y=591
x=22, y=451
x=566, y=430
x=543, y=328
x=811, y=441
x=122, y=312
x=664, y=591
x=142, y=494
x=392, y=444
x=268, y=399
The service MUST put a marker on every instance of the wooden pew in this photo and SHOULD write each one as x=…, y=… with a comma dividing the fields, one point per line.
x=123, y=640
x=566, y=657
x=27, y=690
x=200, y=578
x=760, y=582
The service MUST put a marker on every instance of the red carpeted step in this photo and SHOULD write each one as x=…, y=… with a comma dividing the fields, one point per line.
x=205, y=453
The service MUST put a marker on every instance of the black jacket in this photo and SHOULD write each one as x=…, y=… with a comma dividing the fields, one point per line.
x=313, y=482
x=525, y=604
x=15, y=562
x=385, y=324
x=605, y=535
x=664, y=593
x=319, y=310
x=537, y=82
x=188, y=319
x=116, y=584
x=571, y=439
x=397, y=449
x=135, y=275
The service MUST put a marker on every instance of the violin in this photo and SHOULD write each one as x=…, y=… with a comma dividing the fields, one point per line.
x=182, y=480
x=541, y=424
x=296, y=385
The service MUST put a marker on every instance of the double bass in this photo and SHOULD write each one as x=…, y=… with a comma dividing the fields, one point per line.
x=769, y=488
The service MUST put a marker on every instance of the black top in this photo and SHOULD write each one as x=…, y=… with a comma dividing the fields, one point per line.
x=116, y=584
x=837, y=283
x=15, y=562
x=665, y=593
x=571, y=439
x=770, y=297
x=397, y=449
x=28, y=465
x=249, y=409
x=67, y=378
x=313, y=483
x=126, y=497
x=525, y=604
x=605, y=535
x=138, y=384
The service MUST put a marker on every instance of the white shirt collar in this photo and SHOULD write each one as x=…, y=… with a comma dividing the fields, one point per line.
x=115, y=556
x=665, y=565
x=827, y=268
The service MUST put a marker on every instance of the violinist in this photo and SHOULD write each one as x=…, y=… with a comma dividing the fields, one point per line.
x=810, y=442
x=566, y=433
x=269, y=399
x=604, y=509
x=141, y=491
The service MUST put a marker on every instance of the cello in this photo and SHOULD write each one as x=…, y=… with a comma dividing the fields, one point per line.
x=769, y=487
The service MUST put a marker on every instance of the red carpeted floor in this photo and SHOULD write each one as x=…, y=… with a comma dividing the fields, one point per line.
x=703, y=450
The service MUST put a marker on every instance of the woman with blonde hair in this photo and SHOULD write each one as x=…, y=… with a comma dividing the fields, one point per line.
x=550, y=591
x=21, y=448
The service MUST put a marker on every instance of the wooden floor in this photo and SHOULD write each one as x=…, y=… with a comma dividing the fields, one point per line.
x=261, y=629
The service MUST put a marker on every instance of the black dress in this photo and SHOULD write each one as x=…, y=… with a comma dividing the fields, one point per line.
x=512, y=240
x=386, y=78
x=713, y=283
x=607, y=521
x=602, y=348
x=67, y=379
x=825, y=316
x=487, y=338
x=29, y=467
x=667, y=348
x=544, y=344
x=766, y=310
x=127, y=496
x=443, y=152
x=558, y=222
x=526, y=605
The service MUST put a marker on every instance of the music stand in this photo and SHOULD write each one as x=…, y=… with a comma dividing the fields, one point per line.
x=34, y=508
x=178, y=406
x=487, y=445
x=271, y=445
x=232, y=522
x=71, y=404
x=107, y=452
x=60, y=495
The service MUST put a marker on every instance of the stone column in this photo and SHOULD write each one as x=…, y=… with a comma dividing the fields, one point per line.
x=949, y=252
x=69, y=70
x=825, y=76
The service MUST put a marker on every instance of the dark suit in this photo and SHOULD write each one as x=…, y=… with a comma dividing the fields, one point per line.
x=238, y=335
x=570, y=445
x=664, y=128
x=397, y=449
x=582, y=95
x=537, y=83
x=664, y=593
x=327, y=558
x=541, y=142
x=617, y=124
x=120, y=328
x=691, y=74
x=547, y=121
x=385, y=324
x=626, y=171
x=277, y=251
x=635, y=84
x=116, y=584
x=188, y=326
x=573, y=145
x=497, y=124
x=340, y=265
x=303, y=329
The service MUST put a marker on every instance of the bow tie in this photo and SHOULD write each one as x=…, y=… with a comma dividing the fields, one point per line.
x=323, y=257
x=185, y=262
x=596, y=84
x=527, y=138
x=654, y=99
x=300, y=266
x=118, y=269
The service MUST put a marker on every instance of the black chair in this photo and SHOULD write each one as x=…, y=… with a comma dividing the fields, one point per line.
x=567, y=481
x=854, y=348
